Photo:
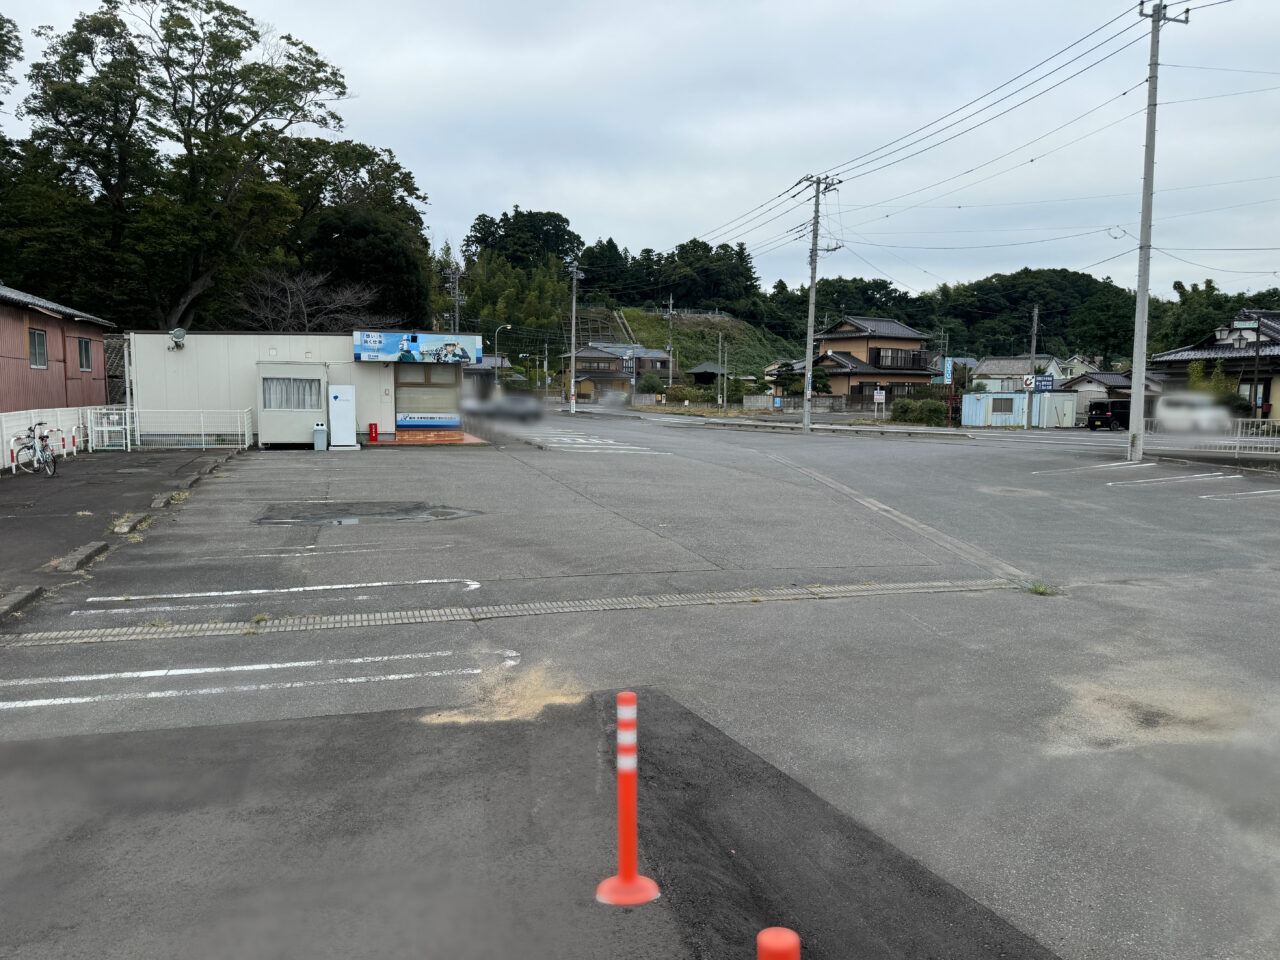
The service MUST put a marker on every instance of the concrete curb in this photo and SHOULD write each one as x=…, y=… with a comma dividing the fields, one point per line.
x=836, y=428
x=190, y=481
x=17, y=598
x=130, y=523
x=80, y=556
x=161, y=500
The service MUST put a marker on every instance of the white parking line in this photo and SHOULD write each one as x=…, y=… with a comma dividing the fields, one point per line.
x=470, y=585
x=244, y=688
x=1179, y=479
x=1121, y=464
x=234, y=668
x=1241, y=496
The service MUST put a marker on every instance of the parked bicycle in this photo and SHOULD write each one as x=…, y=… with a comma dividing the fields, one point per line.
x=35, y=454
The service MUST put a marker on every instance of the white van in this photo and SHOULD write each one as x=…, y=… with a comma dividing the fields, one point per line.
x=1191, y=413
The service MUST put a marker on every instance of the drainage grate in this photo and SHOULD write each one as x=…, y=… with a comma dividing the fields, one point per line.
x=338, y=513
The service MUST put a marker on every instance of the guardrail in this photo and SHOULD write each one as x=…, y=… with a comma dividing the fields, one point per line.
x=1250, y=438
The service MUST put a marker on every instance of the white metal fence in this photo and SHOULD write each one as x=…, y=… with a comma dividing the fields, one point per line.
x=67, y=428
x=122, y=428
x=1251, y=438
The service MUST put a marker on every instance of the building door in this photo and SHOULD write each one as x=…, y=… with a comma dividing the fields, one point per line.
x=428, y=395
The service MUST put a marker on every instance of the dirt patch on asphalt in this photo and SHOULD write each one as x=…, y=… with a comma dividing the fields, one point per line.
x=1109, y=715
x=516, y=694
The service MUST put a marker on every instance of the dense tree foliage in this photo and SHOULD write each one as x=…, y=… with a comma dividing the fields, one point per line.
x=165, y=171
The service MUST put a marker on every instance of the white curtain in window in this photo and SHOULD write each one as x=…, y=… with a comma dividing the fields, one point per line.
x=290, y=393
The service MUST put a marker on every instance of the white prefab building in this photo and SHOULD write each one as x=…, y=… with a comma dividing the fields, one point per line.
x=398, y=381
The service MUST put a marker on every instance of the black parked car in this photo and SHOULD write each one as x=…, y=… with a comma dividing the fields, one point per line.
x=1109, y=414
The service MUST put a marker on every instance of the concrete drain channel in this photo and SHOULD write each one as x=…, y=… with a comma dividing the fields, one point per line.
x=338, y=513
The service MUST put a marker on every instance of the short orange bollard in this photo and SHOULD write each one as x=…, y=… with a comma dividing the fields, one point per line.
x=627, y=888
x=777, y=943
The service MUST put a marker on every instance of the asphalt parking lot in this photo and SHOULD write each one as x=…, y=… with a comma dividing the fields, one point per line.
x=1092, y=767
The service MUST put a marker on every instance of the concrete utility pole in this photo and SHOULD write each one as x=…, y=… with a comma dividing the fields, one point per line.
x=671, y=341
x=720, y=372
x=1138, y=379
x=575, y=275
x=1035, y=328
x=821, y=185
x=456, y=296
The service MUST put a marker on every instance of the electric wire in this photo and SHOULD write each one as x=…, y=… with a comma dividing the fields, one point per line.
x=848, y=173
x=984, y=96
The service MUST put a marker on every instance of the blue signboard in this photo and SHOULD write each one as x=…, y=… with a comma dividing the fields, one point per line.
x=389, y=346
x=428, y=421
x=1044, y=384
x=948, y=368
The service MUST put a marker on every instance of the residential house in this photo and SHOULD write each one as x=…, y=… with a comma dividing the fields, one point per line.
x=1005, y=374
x=1110, y=385
x=50, y=355
x=1077, y=365
x=605, y=370
x=1249, y=348
x=771, y=371
x=866, y=354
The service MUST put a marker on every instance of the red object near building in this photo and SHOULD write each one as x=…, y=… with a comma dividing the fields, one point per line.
x=373, y=432
x=50, y=355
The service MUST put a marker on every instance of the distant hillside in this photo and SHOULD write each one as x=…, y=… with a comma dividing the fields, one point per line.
x=750, y=347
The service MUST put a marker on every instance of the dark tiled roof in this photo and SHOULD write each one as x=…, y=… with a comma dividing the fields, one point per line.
x=707, y=367
x=848, y=362
x=870, y=326
x=622, y=349
x=1223, y=352
x=1015, y=366
x=20, y=299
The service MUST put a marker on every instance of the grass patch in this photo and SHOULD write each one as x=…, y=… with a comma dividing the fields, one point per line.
x=179, y=497
x=260, y=618
x=1042, y=589
x=84, y=513
x=133, y=538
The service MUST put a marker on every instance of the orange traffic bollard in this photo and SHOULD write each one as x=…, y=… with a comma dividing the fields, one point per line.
x=627, y=888
x=777, y=943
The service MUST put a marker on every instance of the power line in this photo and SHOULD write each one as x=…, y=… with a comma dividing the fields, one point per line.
x=990, y=119
x=1220, y=96
x=984, y=96
x=1187, y=66
x=1203, y=266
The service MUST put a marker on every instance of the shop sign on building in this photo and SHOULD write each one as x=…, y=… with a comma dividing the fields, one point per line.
x=389, y=346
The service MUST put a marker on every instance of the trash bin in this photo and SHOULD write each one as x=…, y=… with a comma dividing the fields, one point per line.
x=320, y=436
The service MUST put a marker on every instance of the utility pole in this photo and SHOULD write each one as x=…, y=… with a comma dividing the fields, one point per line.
x=573, y=339
x=720, y=373
x=671, y=341
x=1138, y=378
x=456, y=296
x=821, y=185
x=546, y=378
x=1035, y=328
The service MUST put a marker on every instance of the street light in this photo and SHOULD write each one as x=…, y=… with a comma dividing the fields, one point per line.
x=497, y=357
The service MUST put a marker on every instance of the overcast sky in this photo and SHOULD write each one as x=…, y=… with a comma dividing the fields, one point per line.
x=656, y=122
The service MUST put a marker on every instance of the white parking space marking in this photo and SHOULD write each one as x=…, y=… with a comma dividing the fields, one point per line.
x=1115, y=465
x=234, y=668
x=179, y=607
x=574, y=441
x=510, y=658
x=126, y=598
x=1179, y=479
x=242, y=688
x=1248, y=494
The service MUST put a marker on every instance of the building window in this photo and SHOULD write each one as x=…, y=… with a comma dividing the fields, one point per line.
x=37, y=349
x=86, y=354
x=1002, y=404
x=290, y=393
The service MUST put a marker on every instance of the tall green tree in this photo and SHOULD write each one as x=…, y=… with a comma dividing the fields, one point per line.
x=10, y=54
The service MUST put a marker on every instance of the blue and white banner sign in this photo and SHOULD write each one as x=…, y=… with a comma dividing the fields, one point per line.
x=427, y=421
x=390, y=347
x=948, y=369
